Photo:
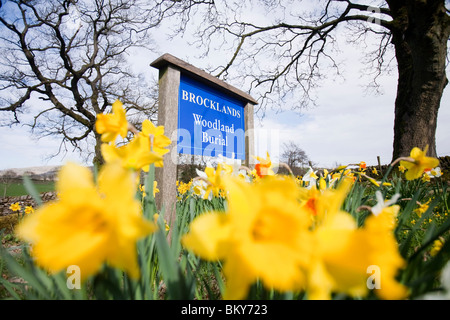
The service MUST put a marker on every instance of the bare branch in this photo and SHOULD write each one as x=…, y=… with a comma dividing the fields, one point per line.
x=298, y=47
x=72, y=56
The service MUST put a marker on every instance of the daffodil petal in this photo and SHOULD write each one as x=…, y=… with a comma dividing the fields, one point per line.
x=208, y=235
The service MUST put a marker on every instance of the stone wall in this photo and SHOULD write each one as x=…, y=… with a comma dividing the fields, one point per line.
x=24, y=201
x=8, y=218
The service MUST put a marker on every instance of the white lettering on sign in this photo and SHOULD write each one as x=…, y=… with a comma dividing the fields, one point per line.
x=208, y=103
x=215, y=140
x=216, y=124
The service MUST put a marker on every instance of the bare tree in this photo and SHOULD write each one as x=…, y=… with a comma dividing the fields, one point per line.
x=7, y=178
x=65, y=61
x=294, y=156
x=289, y=51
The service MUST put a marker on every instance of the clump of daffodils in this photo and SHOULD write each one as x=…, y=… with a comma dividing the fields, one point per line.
x=295, y=238
x=146, y=147
x=89, y=224
x=93, y=223
x=291, y=234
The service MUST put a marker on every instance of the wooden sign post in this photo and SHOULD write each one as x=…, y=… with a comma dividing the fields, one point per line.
x=202, y=115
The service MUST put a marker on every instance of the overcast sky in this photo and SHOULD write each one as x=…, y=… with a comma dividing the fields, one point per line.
x=347, y=125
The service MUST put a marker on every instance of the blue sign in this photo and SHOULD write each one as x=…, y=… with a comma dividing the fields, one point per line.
x=209, y=121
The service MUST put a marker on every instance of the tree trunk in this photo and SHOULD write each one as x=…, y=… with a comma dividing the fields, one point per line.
x=420, y=34
x=98, y=158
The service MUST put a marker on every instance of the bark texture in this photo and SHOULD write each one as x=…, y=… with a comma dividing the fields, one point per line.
x=420, y=31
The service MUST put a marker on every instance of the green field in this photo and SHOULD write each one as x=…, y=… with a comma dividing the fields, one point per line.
x=18, y=188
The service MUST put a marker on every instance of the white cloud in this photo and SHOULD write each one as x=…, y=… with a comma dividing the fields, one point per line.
x=19, y=150
x=340, y=129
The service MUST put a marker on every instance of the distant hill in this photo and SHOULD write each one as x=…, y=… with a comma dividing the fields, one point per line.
x=35, y=173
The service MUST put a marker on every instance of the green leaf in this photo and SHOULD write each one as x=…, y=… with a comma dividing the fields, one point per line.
x=405, y=245
x=429, y=239
x=30, y=275
x=31, y=189
x=10, y=288
x=177, y=286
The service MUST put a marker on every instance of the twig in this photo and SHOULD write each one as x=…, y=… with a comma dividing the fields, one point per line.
x=132, y=129
x=284, y=165
x=363, y=207
x=409, y=159
x=246, y=169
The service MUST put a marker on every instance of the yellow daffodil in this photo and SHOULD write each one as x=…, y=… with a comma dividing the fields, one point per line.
x=318, y=202
x=183, y=187
x=113, y=124
x=418, y=163
x=226, y=168
x=156, y=138
x=231, y=166
x=262, y=235
x=386, y=208
x=15, y=207
x=29, y=210
x=362, y=166
x=339, y=169
x=426, y=177
x=214, y=177
x=326, y=203
x=135, y=155
x=88, y=225
x=383, y=252
x=382, y=204
x=155, y=220
x=254, y=175
x=264, y=167
x=340, y=172
x=212, y=181
x=155, y=188
x=344, y=253
x=322, y=183
x=422, y=208
x=310, y=178
x=374, y=182
x=437, y=246
x=308, y=199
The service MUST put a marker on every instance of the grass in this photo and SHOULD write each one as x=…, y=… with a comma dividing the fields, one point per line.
x=12, y=244
x=18, y=189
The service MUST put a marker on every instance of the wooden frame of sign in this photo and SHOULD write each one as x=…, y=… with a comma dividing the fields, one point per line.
x=171, y=70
